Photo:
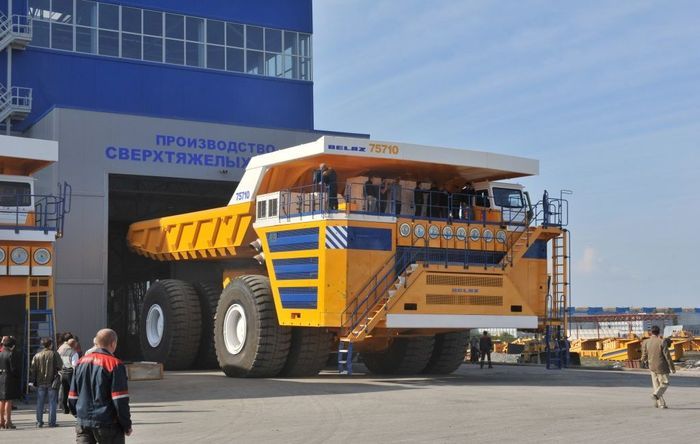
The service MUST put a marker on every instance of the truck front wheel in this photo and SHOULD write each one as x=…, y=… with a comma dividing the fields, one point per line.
x=170, y=324
x=249, y=341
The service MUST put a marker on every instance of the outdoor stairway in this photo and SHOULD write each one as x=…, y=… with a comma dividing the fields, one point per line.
x=15, y=103
x=39, y=314
x=367, y=323
x=15, y=32
x=556, y=322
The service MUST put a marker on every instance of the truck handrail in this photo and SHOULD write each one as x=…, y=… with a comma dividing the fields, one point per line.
x=312, y=200
x=48, y=212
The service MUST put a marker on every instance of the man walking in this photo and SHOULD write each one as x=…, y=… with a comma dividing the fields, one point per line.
x=655, y=353
x=43, y=373
x=485, y=348
x=99, y=396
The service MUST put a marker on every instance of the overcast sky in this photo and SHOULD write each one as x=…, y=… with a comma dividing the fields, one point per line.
x=605, y=94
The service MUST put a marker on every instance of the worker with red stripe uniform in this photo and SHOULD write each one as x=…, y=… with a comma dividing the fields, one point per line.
x=99, y=396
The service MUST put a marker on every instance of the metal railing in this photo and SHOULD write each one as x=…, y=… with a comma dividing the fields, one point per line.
x=356, y=198
x=376, y=288
x=38, y=212
x=19, y=28
x=15, y=100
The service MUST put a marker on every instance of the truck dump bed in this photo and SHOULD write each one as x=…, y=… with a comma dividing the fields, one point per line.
x=207, y=234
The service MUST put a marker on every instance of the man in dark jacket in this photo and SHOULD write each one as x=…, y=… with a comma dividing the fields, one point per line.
x=43, y=374
x=485, y=348
x=656, y=355
x=10, y=376
x=99, y=396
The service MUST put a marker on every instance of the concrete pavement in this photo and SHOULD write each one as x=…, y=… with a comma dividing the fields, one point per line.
x=508, y=403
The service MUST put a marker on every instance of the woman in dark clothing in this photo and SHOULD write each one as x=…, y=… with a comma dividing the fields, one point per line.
x=9, y=381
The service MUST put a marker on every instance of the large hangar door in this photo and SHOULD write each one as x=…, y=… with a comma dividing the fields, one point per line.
x=135, y=198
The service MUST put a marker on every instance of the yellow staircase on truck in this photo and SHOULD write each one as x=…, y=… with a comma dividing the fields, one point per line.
x=207, y=234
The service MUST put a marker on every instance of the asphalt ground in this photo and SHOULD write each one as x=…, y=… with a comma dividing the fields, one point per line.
x=524, y=404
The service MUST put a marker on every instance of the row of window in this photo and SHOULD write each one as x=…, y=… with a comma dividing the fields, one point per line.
x=120, y=31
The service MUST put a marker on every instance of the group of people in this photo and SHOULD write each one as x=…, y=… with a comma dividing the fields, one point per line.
x=93, y=388
x=385, y=196
x=481, y=347
x=444, y=203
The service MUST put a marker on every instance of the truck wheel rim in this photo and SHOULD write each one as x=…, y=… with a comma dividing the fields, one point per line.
x=155, y=319
x=235, y=329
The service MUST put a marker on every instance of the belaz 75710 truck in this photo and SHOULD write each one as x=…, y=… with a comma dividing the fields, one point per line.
x=389, y=249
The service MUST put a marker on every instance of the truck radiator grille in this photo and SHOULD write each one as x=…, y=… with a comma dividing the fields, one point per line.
x=464, y=281
x=462, y=299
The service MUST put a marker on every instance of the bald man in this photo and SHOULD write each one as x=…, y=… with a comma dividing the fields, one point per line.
x=99, y=396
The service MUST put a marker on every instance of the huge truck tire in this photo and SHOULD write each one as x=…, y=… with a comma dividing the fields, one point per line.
x=308, y=352
x=448, y=353
x=169, y=330
x=405, y=356
x=208, y=300
x=249, y=341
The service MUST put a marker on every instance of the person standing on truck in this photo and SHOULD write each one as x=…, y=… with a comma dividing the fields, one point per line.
x=99, y=395
x=418, y=199
x=330, y=183
x=656, y=356
x=69, y=358
x=371, y=195
x=485, y=348
x=318, y=187
x=44, y=375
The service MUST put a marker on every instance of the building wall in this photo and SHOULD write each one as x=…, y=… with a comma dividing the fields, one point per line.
x=85, y=139
x=99, y=83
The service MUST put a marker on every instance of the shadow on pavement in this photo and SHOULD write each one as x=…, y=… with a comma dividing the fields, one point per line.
x=187, y=386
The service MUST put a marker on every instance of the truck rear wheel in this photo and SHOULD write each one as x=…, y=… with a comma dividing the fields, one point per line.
x=208, y=300
x=249, y=341
x=448, y=353
x=308, y=353
x=405, y=356
x=170, y=324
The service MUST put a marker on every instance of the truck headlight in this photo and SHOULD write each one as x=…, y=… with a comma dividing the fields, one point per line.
x=2, y=255
x=19, y=255
x=42, y=256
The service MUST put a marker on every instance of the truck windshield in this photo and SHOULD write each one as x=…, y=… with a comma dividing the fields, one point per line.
x=15, y=194
x=506, y=197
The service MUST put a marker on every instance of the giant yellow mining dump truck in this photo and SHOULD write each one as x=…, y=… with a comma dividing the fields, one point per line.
x=30, y=223
x=390, y=249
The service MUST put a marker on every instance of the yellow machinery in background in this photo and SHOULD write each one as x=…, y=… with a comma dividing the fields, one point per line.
x=391, y=250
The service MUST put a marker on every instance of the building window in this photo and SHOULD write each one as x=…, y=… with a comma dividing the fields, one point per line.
x=255, y=62
x=216, y=57
x=175, y=26
x=109, y=16
x=131, y=20
x=254, y=38
x=235, y=35
x=235, y=60
x=131, y=46
x=152, y=49
x=153, y=23
x=61, y=36
x=86, y=13
x=174, y=51
x=94, y=27
x=85, y=40
x=109, y=43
